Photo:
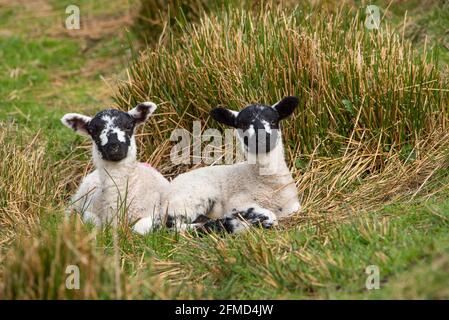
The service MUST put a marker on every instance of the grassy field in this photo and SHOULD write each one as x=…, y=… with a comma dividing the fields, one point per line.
x=368, y=146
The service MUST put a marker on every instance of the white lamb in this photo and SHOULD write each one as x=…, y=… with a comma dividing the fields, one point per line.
x=119, y=183
x=232, y=197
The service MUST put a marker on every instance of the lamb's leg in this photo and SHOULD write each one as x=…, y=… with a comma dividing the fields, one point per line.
x=82, y=201
x=240, y=219
x=148, y=219
x=256, y=215
x=183, y=214
x=228, y=224
x=147, y=224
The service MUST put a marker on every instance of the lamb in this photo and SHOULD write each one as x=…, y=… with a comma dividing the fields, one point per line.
x=232, y=197
x=119, y=179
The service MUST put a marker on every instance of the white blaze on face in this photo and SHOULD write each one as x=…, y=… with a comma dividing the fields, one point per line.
x=266, y=126
x=251, y=130
x=110, y=128
x=120, y=134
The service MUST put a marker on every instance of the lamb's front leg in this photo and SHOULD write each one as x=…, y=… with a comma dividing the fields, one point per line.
x=186, y=211
x=240, y=219
x=256, y=215
x=147, y=224
x=147, y=219
x=83, y=200
x=178, y=214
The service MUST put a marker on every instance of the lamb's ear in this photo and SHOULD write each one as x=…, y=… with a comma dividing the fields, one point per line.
x=77, y=122
x=224, y=116
x=142, y=111
x=286, y=106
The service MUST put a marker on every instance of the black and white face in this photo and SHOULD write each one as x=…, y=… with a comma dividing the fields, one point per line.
x=257, y=125
x=111, y=130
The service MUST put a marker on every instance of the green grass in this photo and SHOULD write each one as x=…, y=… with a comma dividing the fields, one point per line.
x=45, y=76
x=423, y=20
x=311, y=261
x=382, y=202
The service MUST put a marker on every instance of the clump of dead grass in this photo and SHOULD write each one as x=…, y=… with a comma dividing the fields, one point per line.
x=39, y=267
x=158, y=19
x=346, y=78
x=30, y=182
x=367, y=177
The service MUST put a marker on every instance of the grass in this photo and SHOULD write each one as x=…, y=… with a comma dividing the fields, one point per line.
x=159, y=19
x=326, y=261
x=425, y=21
x=351, y=82
x=368, y=149
x=52, y=72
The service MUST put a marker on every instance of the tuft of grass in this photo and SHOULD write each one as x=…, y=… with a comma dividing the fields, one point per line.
x=43, y=267
x=351, y=82
x=425, y=24
x=30, y=183
x=365, y=178
x=158, y=19
x=36, y=268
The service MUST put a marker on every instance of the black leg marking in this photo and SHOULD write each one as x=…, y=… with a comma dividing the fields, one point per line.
x=175, y=221
x=170, y=221
x=201, y=219
x=253, y=217
x=226, y=224
x=210, y=205
x=234, y=223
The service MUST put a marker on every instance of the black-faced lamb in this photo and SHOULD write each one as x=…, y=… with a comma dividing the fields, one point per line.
x=233, y=197
x=119, y=180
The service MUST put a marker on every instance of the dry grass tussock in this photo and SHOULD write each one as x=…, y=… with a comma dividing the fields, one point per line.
x=345, y=77
x=366, y=178
x=38, y=267
x=31, y=183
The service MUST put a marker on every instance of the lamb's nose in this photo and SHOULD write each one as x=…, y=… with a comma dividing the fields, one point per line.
x=114, y=147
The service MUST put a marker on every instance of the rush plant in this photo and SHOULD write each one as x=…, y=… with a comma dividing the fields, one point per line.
x=367, y=85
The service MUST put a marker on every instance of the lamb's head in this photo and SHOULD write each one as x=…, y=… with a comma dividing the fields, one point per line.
x=111, y=130
x=257, y=125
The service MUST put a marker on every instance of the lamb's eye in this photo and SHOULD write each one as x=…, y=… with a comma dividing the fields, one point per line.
x=129, y=126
